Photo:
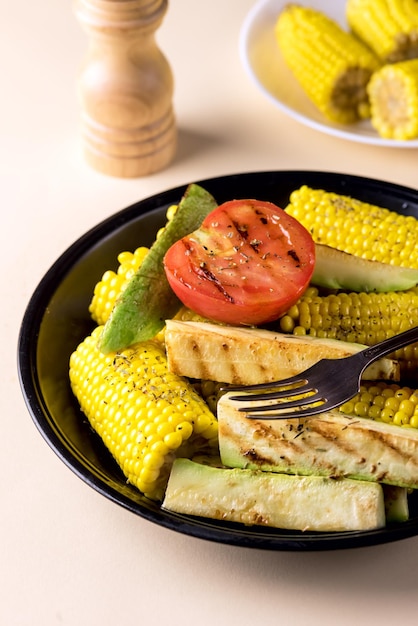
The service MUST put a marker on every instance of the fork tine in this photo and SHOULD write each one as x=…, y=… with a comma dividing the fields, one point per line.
x=276, y=395
x=278, y=411
x=292, y=380
x=298, y=413
x=330, y=382
x=293, y=404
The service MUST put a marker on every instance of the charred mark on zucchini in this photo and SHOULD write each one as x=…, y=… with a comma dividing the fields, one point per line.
x=256, y=459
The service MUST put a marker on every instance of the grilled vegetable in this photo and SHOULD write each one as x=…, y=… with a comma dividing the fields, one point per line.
x=266, y=499
x=396, y=503
x=393, y=93
x=113, y=283
x=145, y=415
x=365, y=318
x=389, y=27
x=331, y=65
x=147, y=300
x=245, y=264
x=356, y=227
x=250, y=356
x=331, y=444
x=335, y=269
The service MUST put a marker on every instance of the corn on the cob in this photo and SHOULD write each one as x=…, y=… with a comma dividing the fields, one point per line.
x=359, y=228
x=389, y=27
x=365, y=318
x=332, y=66
x=382, y=402
x=111, y=285
x=145, y=415
x=393, y=94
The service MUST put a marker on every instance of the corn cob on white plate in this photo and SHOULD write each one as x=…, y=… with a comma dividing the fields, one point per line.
x=57, y=320
x=265, y=66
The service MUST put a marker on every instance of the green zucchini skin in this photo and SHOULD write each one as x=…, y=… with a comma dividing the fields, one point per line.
x=259, y=498
x=396, y=503
x=335, y=269
x=148, y=300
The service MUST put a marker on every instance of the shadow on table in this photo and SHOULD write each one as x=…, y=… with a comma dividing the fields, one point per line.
x=192, y=143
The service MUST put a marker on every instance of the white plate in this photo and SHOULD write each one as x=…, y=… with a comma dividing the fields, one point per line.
x=265, y=65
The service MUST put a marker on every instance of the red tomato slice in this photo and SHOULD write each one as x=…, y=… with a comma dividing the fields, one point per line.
x=247, y=263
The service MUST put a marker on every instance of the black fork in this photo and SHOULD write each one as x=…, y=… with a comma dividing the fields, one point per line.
x=324, y=386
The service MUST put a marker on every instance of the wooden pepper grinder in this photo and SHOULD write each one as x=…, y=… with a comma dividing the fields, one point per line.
x=125, y=88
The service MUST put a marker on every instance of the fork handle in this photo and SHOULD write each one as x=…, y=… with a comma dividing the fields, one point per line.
x=389, y=345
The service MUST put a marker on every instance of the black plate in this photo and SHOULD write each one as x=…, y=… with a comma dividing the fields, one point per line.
x=57, y=319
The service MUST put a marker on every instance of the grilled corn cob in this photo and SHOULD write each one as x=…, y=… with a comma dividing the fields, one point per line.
x=145, y=415
x=389, y=27
x=332, y=66
x=393, y=94
x=366, y=230
x=365, y=318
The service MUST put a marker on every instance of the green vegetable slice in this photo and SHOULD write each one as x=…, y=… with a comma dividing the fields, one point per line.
x=148, y=300
x=252, y=497
x=336, y=269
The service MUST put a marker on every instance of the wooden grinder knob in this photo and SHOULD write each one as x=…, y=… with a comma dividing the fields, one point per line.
x=125, y=88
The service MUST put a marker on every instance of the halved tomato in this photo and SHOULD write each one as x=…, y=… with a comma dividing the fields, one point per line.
x=247, y=263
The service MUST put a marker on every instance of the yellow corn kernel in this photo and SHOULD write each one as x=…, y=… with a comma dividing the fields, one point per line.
x=187, y=315
x=365, y=318
x=184, y=315
x=332, y=66
x=393, y=94
x=169, y=215
x=145, y=415
x=389, y=27
x=109, y=288
x=384, y=402
x=360, y=228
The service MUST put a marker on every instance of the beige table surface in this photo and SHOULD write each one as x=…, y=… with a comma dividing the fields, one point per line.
x=69, y=556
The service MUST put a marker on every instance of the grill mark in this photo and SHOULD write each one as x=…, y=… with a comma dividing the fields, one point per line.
x=241, y=230
x=187, y=352
x=288, y=444
x=320, y=427
x=203, y=272
x=294, y=255
x=201, y=366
